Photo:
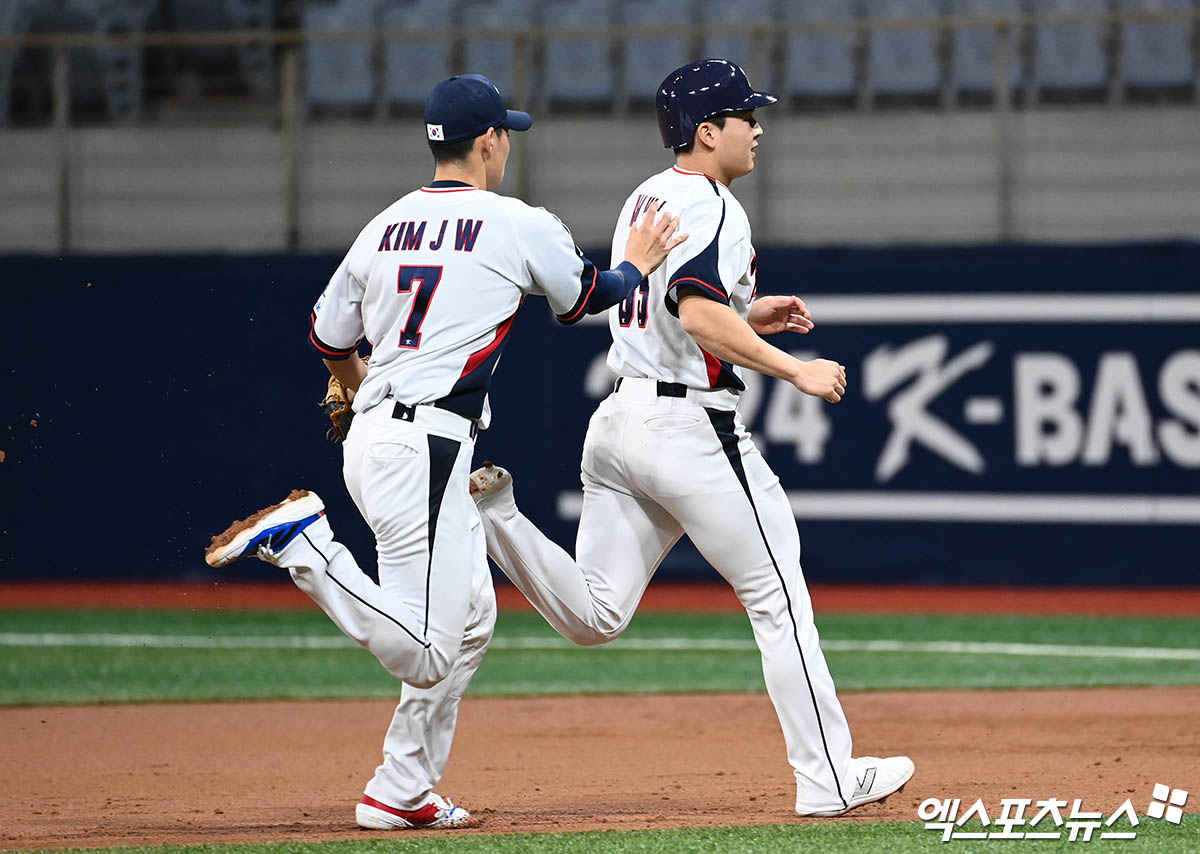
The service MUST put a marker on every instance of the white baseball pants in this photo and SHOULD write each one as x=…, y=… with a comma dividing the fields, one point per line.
x=430, y=617
x=655, y=468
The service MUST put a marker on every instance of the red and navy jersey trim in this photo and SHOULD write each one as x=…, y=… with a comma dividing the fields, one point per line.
x=720, y=373
x=690, y=284
x=701, y=275
x=447, y=186
x=587, y=287
x=327, y=351
x=470, y=391
x=601, y=289
x=711, y=180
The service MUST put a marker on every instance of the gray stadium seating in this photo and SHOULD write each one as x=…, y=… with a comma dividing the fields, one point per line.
x=820, y=64
x=339, y=75
x=647, y=60
x=971, y=50
x=1157, y=54
x=496, y=59
x=123, y=82
x=256, y=61
x=14, y=18
x=412, y=68
x=1069, y=56
x=738, y=47
x=903, y=61
x=577, y=70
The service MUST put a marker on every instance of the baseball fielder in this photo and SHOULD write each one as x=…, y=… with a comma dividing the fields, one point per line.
x=667, y=453
x=433, y=283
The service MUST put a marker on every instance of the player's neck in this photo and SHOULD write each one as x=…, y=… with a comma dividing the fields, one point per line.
x=470, y=172
x=697, y=161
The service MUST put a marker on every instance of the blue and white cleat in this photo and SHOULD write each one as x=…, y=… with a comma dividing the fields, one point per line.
x=268, y=531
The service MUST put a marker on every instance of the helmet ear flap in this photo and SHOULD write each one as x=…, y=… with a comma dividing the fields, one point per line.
x=687, y=130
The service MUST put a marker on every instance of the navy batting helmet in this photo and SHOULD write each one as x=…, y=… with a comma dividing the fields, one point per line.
x=698, y=91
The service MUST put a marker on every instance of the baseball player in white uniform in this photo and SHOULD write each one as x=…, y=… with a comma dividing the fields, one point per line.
x=667, y=453
x=433, y=283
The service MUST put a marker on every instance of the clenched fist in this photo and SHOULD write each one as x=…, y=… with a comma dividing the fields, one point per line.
x=821, y=378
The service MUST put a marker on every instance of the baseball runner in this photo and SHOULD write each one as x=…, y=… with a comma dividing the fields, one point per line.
x=433, y=283
x=667, y=453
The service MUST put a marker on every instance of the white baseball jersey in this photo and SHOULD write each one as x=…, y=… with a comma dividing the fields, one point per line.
x=717, y=261
x=433, y=283
x=658, y=465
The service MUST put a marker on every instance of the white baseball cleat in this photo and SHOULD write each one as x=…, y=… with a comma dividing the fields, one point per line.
x=492, y=489
x=876, y=779
x=267, y=532
x=437, y=812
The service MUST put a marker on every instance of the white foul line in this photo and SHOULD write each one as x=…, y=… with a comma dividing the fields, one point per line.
x=1037, y=308
x=152, y=641
x=1037, y=508
x=995, y=507
x=1004, y=308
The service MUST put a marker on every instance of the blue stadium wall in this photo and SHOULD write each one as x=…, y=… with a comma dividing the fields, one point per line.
x=1017, y=415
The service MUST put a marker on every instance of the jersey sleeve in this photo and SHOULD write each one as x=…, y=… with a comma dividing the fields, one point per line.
x=558, y=269
x=336, y=322
x=709, y=264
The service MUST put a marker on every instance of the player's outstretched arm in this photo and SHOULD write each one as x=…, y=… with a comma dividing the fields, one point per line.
x=650, y=241
x=772, y=314
x=721, y=331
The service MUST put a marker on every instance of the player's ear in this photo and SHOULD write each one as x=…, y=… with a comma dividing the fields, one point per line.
x=707, y=134
x=489, y=141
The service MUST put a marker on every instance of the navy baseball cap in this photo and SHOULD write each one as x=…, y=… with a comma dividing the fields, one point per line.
x=465, y=106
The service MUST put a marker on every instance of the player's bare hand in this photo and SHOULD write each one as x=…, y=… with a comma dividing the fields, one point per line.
x=821, y=378
x=652, y=239
x=769, y=315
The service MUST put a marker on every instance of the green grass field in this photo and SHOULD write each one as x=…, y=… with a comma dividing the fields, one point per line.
x=147, y=656
x=883, y=837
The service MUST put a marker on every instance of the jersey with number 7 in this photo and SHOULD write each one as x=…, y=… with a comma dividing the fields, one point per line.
x=434, y=283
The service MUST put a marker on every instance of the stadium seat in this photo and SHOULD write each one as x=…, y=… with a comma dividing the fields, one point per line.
x=14, y=19
x=120, y=67
x=338, y=74
x=577, y=70
x=1153, y=54
x=256, y=60
x=496, y=59
x=820, y=64
x=412, y=68
x=971, y=52
x=1069, y=56
x=214, y=63
x=739, y=47
x=903, y=61
x=648, y=59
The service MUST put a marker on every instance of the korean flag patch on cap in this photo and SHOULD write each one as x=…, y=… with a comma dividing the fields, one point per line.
x=435, y=132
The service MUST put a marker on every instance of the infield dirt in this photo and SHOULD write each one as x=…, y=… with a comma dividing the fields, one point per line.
x=190, y=773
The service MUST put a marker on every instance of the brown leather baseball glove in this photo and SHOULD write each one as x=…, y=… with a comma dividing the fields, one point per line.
x=336, y=406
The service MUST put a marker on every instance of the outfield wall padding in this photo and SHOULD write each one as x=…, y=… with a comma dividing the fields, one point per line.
x=1016, y=415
